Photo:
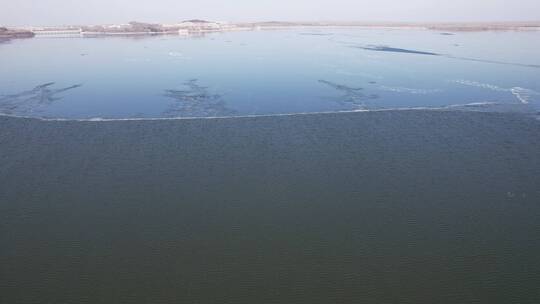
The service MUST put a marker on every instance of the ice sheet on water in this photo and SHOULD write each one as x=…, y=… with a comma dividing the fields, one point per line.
x=384, y=48
x=33, y=100
x=523, y=95
x=354, y=97
x=196, y=101
x=414, y=91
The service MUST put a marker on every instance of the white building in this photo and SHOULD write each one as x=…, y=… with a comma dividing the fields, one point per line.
x=57, y=32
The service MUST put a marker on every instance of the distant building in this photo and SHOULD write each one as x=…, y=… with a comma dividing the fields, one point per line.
x=200, y=25
x=62, y=32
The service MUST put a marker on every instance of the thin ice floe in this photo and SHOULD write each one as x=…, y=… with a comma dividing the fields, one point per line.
x=384, y=48
x=316, y=34
x=175, y=54
x=33, y=100
x=357, y=73
x=178, y=55
x=351, y=96
x=481, y=106
x=525, y=65
x=479, y=85
x=409, y=90
x=522, y=94
x=196, y=101
x=474, y=104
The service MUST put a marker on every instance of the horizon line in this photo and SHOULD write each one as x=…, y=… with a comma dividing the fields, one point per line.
x=300, y=22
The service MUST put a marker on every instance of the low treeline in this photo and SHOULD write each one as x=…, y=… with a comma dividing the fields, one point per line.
x=11, y=33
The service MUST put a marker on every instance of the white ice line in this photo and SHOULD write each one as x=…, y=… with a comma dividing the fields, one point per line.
x=99, y=119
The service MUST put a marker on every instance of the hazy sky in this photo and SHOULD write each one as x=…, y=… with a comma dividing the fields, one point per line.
x=55, y=12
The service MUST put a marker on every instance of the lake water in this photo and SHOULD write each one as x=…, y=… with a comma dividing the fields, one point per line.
x=354, y=206
x=269, y=72
x=375, y=207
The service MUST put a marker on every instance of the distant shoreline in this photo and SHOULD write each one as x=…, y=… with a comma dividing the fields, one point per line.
x=6, y=33
x=202, y=26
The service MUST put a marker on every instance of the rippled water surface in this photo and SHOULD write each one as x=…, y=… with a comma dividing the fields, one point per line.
x=375, y=207
x=269, y=72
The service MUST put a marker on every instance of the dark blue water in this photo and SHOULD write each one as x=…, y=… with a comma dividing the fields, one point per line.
x=269, y=72
x=376, y=207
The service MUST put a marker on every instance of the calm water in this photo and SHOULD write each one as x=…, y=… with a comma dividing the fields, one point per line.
x=269, y=72
x=376, y=207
